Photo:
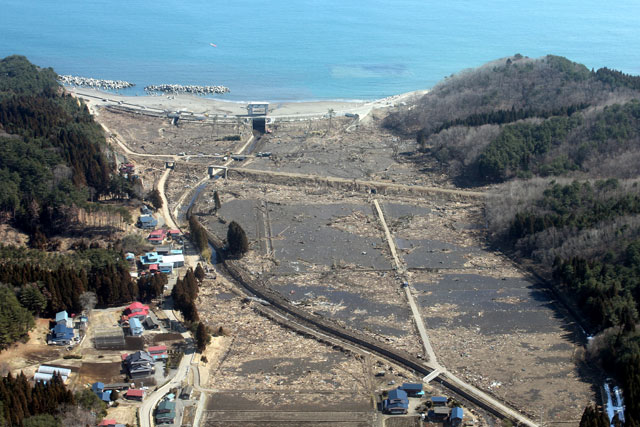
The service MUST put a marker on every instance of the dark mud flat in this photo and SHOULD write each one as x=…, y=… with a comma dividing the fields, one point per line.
x=399, y=210
x=358, y=311
x=494, y=306
x=244, y=212
x=302, y=236
x=279, y=401
x=343, y=161
x=425, y=253
x=292, y=367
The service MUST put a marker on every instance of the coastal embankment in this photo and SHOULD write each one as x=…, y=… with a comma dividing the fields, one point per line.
x=303, y=110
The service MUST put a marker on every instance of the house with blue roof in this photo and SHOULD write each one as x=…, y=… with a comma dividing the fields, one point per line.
x=98, y=389
x=151, y=258
x=135, y=326
x=63, y=318
x=61, y=335
x=397, y=402
x=147, y=222
x=412, y=389
x=438, y=401
x=456, y=416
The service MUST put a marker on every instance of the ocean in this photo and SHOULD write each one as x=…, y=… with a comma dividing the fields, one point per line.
x=310, y=49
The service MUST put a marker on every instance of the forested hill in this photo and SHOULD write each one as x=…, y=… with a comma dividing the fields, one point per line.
x=51, y=151
x=522, y=117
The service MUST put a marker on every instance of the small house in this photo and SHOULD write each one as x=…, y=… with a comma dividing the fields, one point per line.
x=163, y=249
x=149, y=323
x=139, y=364
x=397, y=402
x=147, y=222
x=98, y=389
x=158, y=352
x=61, y=335
x=412, y=389
x=136, y=310
x=438, y=401
x=135, y=327
x=150, y=258
x=134, y=394
x=174, y=233
x=165, y=407
x=166, y=418
x=64, y=319
x=456, y=416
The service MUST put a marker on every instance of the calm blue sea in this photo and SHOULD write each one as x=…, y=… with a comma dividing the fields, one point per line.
x=312, y=49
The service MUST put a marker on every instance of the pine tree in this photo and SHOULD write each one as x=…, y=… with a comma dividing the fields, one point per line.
x=199, y=273
x=237, y=239
x=203, y=338
x=216, y=200
x=155, y=199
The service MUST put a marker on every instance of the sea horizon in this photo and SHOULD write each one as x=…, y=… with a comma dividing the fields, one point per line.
x=306, y=51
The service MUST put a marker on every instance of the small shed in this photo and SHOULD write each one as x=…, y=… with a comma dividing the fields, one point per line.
x=439, y=413
x=185, y=393
x=149, y=323
x=438, y=401
x=166, y=267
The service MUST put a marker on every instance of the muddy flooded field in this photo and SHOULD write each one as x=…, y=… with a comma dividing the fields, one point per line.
x=486, y=321
x=325, y=251
x=286, y=409
x=157, y=135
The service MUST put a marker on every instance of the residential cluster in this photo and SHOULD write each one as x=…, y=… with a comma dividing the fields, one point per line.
x=398, y=402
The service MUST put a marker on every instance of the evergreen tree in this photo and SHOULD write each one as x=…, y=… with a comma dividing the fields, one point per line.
x=155, y=199
x=592, y=417
x=32, y=299
x=15, y=320
x=199, y=273
x=203, y=337
x=237, y=239
x=216, y=200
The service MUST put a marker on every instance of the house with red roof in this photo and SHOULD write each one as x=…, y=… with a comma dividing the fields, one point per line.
x=134, y=394
x=137, y=310
x=158, y=352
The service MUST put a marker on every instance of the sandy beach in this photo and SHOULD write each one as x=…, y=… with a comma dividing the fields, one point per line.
x=216, y=107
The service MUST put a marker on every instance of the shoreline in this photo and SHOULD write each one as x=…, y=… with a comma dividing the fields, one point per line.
x=217, y=107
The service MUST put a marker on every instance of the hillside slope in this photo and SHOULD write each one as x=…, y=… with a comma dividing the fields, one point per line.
x=521, y=117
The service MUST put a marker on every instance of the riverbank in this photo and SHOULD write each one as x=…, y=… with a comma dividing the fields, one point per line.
x=217, y=107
